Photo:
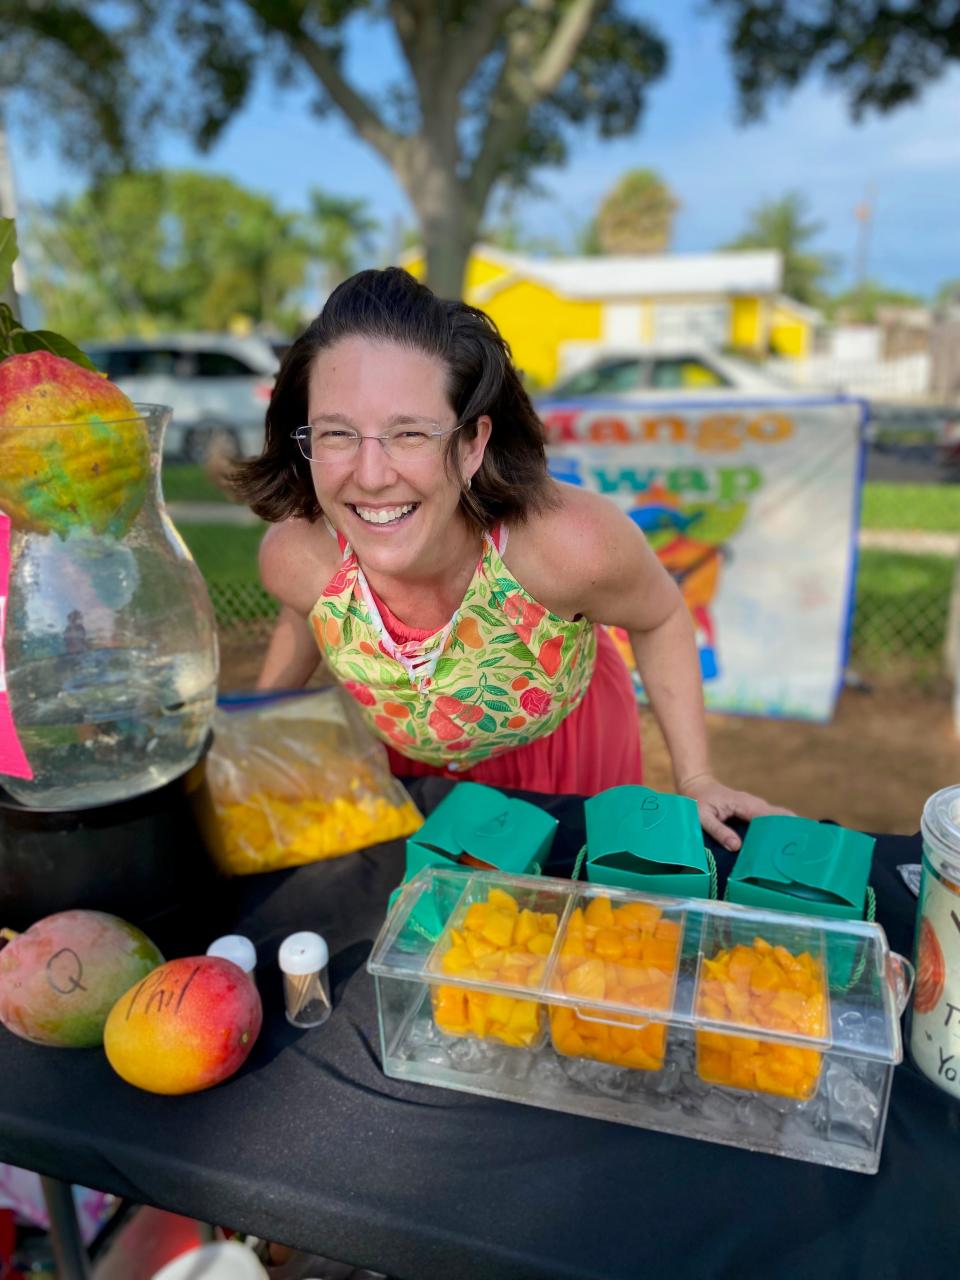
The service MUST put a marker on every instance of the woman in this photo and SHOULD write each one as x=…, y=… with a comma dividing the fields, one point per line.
x=454, y=588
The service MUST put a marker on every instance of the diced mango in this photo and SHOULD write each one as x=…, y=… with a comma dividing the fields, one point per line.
x=599, y=913
x=500, y=1007
x=660, y=953
x=587, y=979
x=668, y=930
x=527, y=927
x=626, y=956
x=575, y=925
x=515, y=975
x=761, y=986
x=475, y=917
x=639, y=915
x=477, y=946
x=457, y=959
x=498, y=928
x=608, y=945
x=499, y=900
x=478, y=1016
x=485, y=947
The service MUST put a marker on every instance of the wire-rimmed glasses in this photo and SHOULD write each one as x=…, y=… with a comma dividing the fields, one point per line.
x=325, y=442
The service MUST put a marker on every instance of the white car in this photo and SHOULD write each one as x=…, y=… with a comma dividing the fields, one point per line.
x=218, y=386
x=664, y=374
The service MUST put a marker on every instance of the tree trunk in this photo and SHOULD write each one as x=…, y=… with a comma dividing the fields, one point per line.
x=448, y=218
x=448, y=239
x=8, y=209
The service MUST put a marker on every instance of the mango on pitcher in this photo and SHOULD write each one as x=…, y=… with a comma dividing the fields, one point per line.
x=761, y=986
x=624, y=955
x=497, y=941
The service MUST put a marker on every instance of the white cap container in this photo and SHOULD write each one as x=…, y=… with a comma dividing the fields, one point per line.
x=303, y=961
x=237, y=948
x=225, y=1261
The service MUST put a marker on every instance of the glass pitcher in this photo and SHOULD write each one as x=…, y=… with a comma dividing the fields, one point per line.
x=110, y=644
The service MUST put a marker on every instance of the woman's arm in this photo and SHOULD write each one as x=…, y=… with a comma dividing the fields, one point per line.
x=589, y=558
x=292, y=655
x=296, y=560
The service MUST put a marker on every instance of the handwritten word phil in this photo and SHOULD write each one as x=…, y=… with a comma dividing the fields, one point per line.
x=711, y=433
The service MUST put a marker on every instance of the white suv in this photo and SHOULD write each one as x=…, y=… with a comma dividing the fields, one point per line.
x=663, y=373
x=218, y=386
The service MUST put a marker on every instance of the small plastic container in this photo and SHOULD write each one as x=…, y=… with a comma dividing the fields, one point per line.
x=754, y=981
x=501, y=936
x=238, y=949
x=303, y=962
x=664, y=1012
x=622, y=952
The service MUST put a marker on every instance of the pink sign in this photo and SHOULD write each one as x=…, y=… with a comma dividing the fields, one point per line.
x=13, y=762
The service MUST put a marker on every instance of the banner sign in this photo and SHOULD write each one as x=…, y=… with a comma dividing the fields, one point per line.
x=753, y=508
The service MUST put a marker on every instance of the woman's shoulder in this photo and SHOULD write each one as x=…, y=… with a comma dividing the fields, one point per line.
x=297, y=559
x=558, y=553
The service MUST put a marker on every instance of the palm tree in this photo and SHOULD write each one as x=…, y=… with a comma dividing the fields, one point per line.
x=340, y=231
x=637, y=215
x=783, y=224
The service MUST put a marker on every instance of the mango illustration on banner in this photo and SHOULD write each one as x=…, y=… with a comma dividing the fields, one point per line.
x=690, y=541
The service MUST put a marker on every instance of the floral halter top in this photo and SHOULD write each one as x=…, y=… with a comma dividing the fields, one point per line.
x=502, y=672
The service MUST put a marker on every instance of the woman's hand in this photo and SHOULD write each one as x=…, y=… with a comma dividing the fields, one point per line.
x=716, y=803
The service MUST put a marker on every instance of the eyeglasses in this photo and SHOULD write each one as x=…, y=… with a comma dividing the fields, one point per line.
x=321, y=444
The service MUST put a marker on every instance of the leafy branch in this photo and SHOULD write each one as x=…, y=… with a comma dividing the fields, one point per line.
x=16, y=340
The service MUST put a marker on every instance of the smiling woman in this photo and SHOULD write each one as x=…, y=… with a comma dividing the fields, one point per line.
x=456, y=591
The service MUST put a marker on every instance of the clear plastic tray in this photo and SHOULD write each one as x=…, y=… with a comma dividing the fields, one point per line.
x=762, y=1029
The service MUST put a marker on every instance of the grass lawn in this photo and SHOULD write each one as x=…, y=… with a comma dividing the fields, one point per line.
x=224, y=552
x=184, y=482
x=934, y=508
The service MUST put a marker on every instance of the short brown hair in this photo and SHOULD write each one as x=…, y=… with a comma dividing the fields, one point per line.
x=391, y=306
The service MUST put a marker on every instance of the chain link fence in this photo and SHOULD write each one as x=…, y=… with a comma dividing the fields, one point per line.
x=907, y=574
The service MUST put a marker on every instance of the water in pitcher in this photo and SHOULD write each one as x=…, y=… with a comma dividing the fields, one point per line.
x=109, y=724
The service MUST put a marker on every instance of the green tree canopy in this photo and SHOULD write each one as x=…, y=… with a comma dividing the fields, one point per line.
x=164, y=250
x=861, y=304
x=489, y=92
x=880, y=53
x=784, y=224
x=948, y=294
x=636, y=216
x=339, y=230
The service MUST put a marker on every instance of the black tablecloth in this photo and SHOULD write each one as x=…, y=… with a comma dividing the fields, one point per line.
x=313, y=1145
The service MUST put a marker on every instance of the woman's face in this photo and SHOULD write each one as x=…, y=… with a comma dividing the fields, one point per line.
x=396, y=511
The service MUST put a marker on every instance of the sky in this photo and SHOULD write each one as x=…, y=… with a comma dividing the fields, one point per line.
x=908, y=162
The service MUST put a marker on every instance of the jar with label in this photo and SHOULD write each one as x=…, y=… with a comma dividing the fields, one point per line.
x=935, y=1030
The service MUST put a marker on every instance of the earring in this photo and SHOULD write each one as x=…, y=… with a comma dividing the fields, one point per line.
x=469, y=482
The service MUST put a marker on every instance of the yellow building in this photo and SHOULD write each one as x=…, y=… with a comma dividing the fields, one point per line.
x=550, y=309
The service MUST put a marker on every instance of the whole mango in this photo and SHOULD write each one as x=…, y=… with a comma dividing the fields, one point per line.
x=187, y=1026
x=64, y=461
x=60, y=978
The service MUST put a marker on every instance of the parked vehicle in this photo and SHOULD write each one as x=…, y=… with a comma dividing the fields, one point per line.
x=948, y=454
x=218, y=386
x=664, y=374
